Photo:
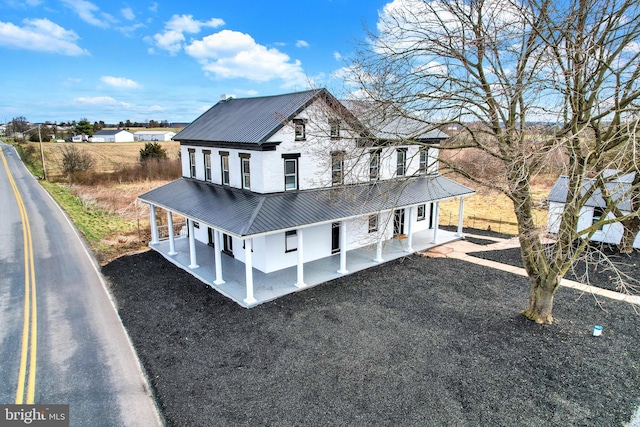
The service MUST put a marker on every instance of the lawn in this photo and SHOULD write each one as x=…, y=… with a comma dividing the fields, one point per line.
x=413, y=342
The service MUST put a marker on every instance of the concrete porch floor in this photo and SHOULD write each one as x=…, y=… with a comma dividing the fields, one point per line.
x=270, y=286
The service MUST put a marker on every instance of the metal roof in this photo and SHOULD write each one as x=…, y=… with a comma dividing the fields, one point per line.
x=247, y=120
x=244, y=213
x=620, y=189
x=109, y=132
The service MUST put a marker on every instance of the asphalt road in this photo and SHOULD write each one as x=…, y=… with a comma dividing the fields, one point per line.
x=83, y=356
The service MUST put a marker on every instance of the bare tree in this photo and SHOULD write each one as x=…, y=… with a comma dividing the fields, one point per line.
x=494, y=67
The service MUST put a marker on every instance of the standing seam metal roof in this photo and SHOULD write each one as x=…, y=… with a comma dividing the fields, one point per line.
x=244, y=213
x=247, y=120
x=620, y=190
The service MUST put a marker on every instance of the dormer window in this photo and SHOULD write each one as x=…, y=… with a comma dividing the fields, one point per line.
x=300, y=130
x=335, y=128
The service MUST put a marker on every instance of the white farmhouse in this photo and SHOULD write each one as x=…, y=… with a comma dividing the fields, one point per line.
x=114, y=135
x=289, y=191
x=594, y=208
x=153, y=135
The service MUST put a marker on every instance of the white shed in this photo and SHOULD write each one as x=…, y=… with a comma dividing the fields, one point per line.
x=114, y=135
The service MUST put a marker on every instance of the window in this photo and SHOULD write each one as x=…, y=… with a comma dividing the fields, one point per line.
x=373, y=223
x=424, y=160
x=192, y=163
x=598, y=213
x=207, y=165
x=421, y=212
x=335, y=128
x=374, y=165
x=337, y=168
x=401, y=168
x=224, y=162
x=290, y=241
x=290, y=174
x=300, y=131
x=246, y=173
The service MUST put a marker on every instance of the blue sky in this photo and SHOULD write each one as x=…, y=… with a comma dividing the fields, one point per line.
x=166, y=60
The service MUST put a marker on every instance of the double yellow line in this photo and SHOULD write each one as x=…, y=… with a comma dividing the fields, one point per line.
x=30, y=325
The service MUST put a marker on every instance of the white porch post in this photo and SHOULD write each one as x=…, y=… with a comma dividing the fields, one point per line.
x=154, y=224
x=378, y=257
x=218, y=257
x=435, y=223
x=343, y=248
x=172, y=242
x=248, y=268
x=192, y=246
x=460, y=218
x=300, y=250
x=410, y=231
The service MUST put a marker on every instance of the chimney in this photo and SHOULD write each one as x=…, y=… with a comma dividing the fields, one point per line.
x=226, y=97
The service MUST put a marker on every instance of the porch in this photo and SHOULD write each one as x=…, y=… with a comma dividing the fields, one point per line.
x=267, y=287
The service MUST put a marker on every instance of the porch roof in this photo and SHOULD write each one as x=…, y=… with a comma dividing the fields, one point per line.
x=244, y=213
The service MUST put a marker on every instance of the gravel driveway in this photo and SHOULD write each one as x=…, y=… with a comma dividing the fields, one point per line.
x=412, y=342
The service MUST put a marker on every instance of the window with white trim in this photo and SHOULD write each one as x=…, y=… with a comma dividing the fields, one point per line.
x=246, y=173
x=192, y=163
x=401, y=168
x=290, y=241
x=421, y=212
x=374, y=165
x=424, y=160
x=224, y=166
x=337, y=168
x=290, y=174
x=334, y=124
x=207, y=165
x=299, y=129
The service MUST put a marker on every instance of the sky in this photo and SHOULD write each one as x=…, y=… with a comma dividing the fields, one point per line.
x=143, y=60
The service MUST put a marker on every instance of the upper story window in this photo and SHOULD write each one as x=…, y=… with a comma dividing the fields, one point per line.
x=337, y=168
x=192, y=163
x=207, y=165
x=224, y=166
x=290, y=171
x=374, y=165
x=335, y=128
x=300, y=130
x=246, y=171
x=424, y=160
x=401, y=168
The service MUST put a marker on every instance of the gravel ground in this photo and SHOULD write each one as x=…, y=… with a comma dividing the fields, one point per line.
x=590, y=269
x=412, y=342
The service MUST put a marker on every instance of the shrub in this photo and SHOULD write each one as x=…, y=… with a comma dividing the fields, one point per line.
x=75, y=161
x=152, y=151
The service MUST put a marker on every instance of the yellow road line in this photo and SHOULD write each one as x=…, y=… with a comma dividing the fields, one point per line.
x=30, y=320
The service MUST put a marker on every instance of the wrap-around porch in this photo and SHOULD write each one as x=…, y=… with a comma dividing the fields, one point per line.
x=249, y=286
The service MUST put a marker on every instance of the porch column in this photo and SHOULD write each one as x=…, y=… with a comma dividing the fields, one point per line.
x=192, y=245
x=460, y=218
x=378, y=257
x=154, y=224
x=343, y=248
x=248, y=269
x=435, y=223
x=172, y=242
x=218, y=257
x=300, y=283
x=410, y=231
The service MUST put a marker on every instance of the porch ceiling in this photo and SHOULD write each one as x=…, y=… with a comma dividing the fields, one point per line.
x=244, y=213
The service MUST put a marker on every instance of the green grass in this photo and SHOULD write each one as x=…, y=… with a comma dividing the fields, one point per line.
x=94, y=223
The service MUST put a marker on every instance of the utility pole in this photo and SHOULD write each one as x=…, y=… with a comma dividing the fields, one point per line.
x=44, y=169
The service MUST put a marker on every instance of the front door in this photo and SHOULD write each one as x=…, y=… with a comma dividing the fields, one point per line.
x=210, y=233
x=335, y=237
x=398, y=222
x=227, y=244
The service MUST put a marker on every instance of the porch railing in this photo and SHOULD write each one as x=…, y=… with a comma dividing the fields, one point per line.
x=179, y=230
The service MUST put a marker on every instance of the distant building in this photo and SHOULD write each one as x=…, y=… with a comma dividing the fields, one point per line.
x=153, y=135
x=114, y=135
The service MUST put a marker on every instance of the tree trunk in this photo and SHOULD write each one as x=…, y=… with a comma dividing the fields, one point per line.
x=629, y=235
x=541, y=295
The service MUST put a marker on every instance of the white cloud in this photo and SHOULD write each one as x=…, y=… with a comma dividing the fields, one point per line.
x=155, y=108
x=231, y=54
x=40, y=35
x=128, y=13
x=153, y=7
x=302, y=43
x=337, y=56
x=103, y=101
x=120, y=82
x=87, y=11
x=172, y=38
